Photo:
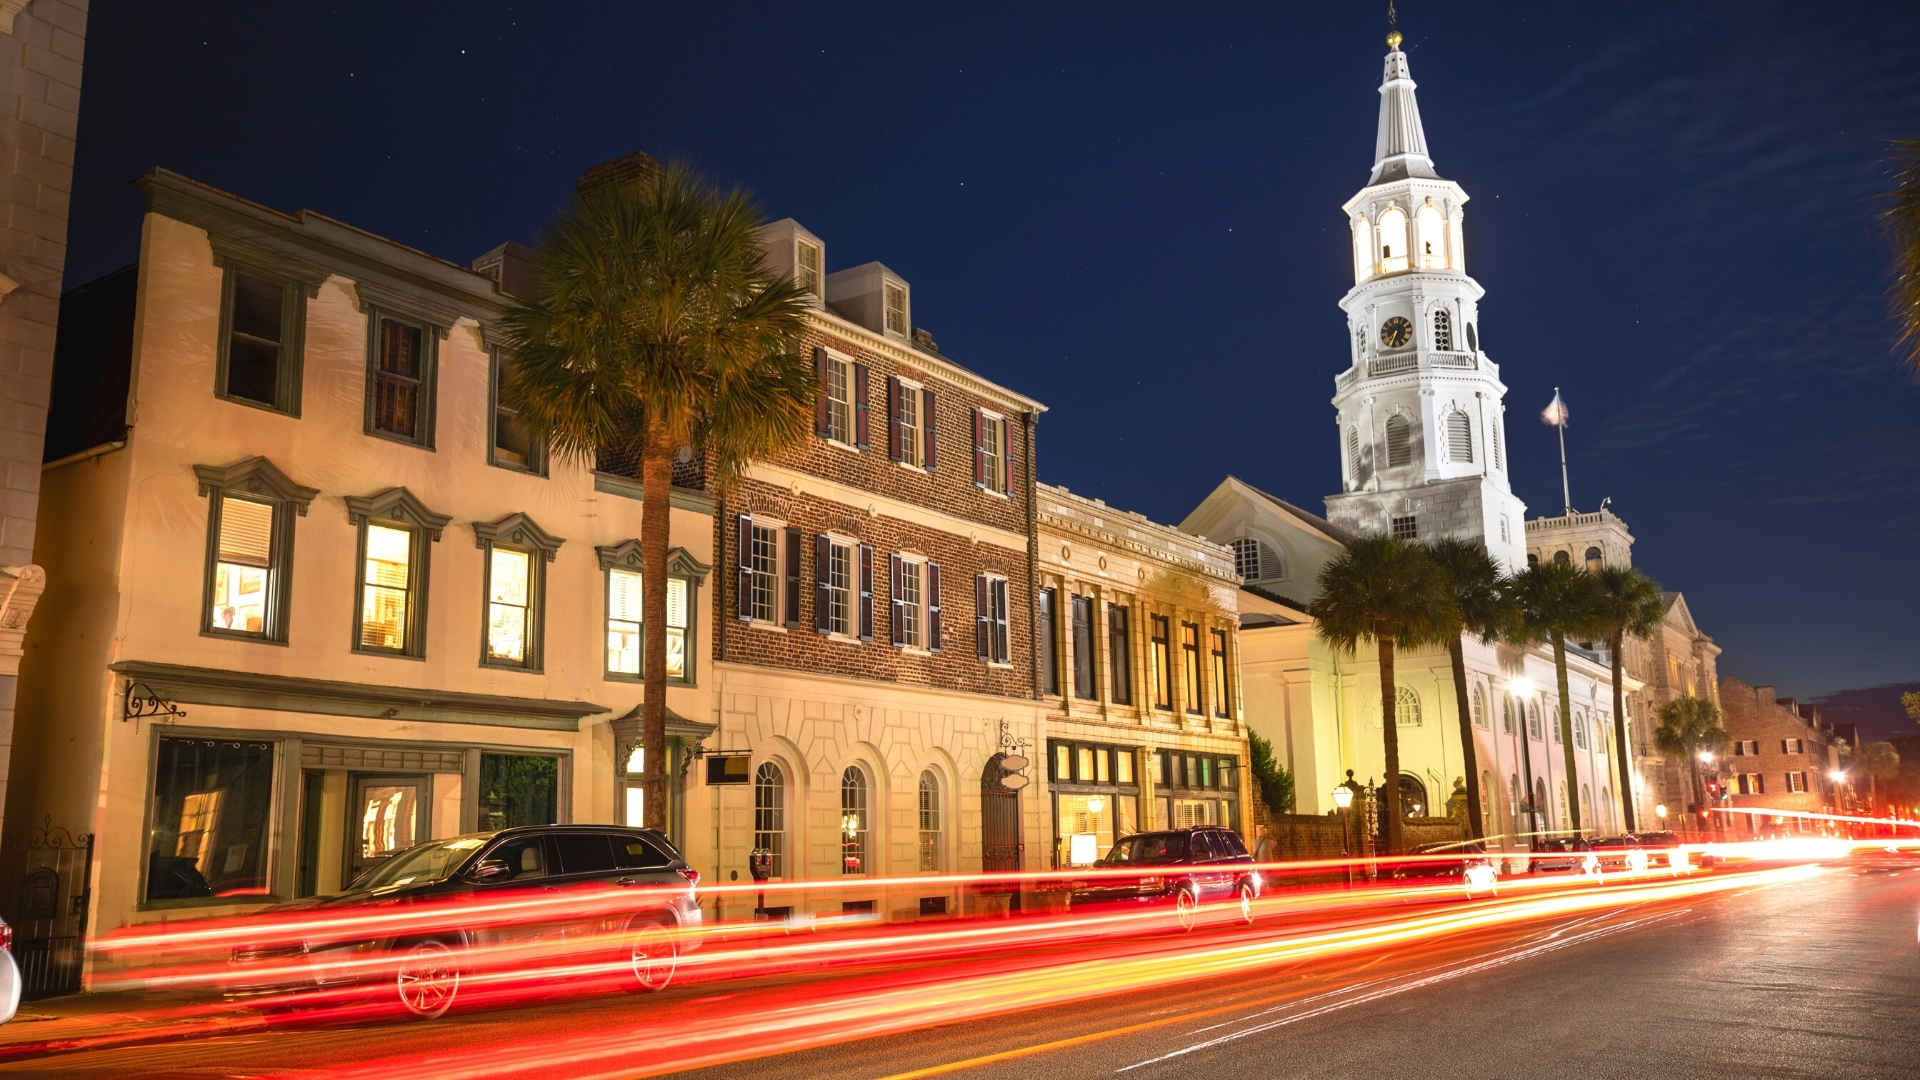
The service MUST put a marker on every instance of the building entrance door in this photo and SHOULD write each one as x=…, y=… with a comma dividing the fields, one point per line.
x=387, y=814
x=1000, y=846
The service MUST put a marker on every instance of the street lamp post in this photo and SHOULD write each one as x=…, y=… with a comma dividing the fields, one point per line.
x=1343, y=798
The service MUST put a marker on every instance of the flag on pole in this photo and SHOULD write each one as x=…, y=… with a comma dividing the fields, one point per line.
x=1555, y=413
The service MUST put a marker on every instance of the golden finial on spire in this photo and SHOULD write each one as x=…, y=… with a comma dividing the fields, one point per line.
x=1393, y=39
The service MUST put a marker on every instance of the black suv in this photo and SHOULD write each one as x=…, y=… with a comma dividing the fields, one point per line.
x=1185, y=868
x=525, y=870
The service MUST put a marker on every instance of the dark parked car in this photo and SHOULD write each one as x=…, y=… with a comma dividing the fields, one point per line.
x=424, y=961
x=1181, y=868
x=1466, y=863
x=1554, y=853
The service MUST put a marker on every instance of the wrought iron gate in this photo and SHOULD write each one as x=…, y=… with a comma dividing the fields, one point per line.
x=48, y=911
x=1000, y=846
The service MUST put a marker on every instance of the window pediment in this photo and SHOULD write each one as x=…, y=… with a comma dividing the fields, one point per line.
x=258, y=476
x=518, y=530
x=680, y=562
x=397, y=504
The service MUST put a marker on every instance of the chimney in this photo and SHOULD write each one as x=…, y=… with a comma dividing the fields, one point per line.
x=1763, y=696
x=510, y=264
x=634, y=168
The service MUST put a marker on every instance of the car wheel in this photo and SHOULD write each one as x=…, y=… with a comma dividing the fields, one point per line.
x=427, y=979
x=1246, y=903
x=1186, y=908
x=654, y=953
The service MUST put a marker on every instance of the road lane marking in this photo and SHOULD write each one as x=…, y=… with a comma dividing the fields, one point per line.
x=1411, y=984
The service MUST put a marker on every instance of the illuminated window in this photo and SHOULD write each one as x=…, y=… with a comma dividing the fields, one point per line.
x=388, y=587
x=1393, y=240
x=853, y=821
x=896, y=299
x=770, y=816
x=1433, y=238
x=243, y=570
x=1362, y=257
x=929, y=822
x=807, y=267
x=509, y=605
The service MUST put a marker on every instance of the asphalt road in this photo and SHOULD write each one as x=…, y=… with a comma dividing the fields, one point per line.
x=1818, y=978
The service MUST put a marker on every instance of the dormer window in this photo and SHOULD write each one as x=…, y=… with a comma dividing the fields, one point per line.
x=806, y=267
x=896, y=296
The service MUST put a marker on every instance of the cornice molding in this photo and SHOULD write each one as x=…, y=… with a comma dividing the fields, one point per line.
x=627, y=555
x=518, y=530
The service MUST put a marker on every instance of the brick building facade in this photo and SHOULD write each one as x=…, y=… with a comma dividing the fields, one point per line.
x=1781, y=758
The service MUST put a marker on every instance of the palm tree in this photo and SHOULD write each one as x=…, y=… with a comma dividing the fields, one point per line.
x=1479, y=606
x=1630, y=605
x=1901, y=218
x=658, y=326
x=1689, y=726
x=1386, y=591
x=1558, y=602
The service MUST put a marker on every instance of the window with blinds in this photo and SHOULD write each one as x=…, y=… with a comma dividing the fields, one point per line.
x=1459, y=438
x=386, y=587
x=1353, y=455
x=623, y=622
x=243, y=567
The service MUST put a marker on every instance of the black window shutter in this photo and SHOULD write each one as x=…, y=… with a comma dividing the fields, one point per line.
x=898, y=605
x=1002, y=645
x=980, y=613
x=743, y=554
x=822, y=579
x=860, y=422
x=822, y=410
x=895, y=451
x=866, y=592
x=1006, y=453
x=933, y=607
x=927, y=420
x=792, y=615
x=979, y=449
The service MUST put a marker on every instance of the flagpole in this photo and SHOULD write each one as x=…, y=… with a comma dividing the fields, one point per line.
x=1566, y=491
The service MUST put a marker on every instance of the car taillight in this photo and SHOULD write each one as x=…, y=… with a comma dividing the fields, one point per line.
x=692, y=875
x=6, y=937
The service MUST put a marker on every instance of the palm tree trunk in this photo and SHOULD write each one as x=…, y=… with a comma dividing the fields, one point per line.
x=1693, y=769
x=1566, y=730
x=1622, y=750
x=1475, y=828
x=656, y=477
x=1389, y=726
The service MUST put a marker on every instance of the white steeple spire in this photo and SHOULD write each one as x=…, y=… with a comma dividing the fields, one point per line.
x=1400, y=151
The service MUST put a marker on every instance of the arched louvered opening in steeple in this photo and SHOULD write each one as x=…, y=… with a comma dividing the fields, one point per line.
x=1362, y=248
x=1459, y=438
x=1354, y=472
x=1399, y=441
x=1496, y=444
x=1442, y=331
x=1393, y=240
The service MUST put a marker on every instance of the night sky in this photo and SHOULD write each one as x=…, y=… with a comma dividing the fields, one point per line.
x=1132, y=214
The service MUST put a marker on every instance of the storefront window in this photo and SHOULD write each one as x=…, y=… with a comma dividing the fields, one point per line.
x=1096, y=801
x=518, y=790
x=212, y=812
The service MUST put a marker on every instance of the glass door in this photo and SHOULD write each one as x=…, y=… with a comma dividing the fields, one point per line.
x=388, y=814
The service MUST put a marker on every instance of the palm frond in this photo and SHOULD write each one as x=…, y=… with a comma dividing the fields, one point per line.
x=1380, y=586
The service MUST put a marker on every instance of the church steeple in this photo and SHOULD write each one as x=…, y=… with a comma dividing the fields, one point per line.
x=1400, y=151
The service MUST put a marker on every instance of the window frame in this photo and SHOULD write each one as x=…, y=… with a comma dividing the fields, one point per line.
x=775, y=579
x=428, y=382
x=1160, y=659
x=906, y=567
x=991, y=469
x=516, y=533
x=536, y=465
x=1085, y=670
x=1047, y=617
x=1119, y=654
x=396, y=508
x=1190, y=669
x=258, y=480
x=1222, y=684
x=825, y=589
x=274, y=852
x=292, y=344
x=993, y=619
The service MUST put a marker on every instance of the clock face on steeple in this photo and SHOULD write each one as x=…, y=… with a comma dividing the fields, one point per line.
x=1396, y=332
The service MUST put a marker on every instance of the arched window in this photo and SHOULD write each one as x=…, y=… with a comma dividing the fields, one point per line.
x=770, y=816
x=1561, y=558
x=1580, y=729
x=1586, y=806
x=1442, y=331
x=1532, y=559
x=1353, y=456
x=1413, y=796
x=1479, y=706
x=1606, y=807
x=1486, y=803
x=1542, y=820
x=929, y=822
x=1359, y=342
x=1433, y=237
x=1399, y=441
x=1593, y=558
x=1256, y=560
x=1533, y=721
x=1362, y=254
x=1473, y=340
x=1459, y=438
x=1513, y=795
x=854, y=821
x=1406, y=708
x=1393, y=240
x=1506, y=715
x=1563, y=802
